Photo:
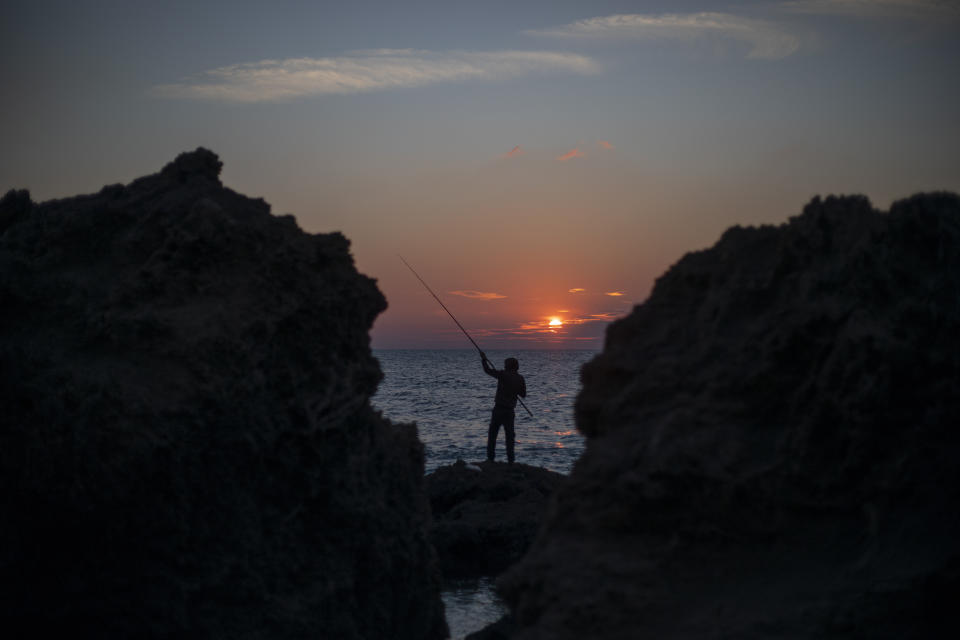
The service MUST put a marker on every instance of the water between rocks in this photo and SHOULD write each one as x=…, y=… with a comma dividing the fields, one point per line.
x=449, y=397
x=471, y=604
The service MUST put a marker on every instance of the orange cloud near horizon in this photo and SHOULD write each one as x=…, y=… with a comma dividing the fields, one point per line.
x=573, y=153
x=576, y=290
x=613, y=293
x=580, y=328
x=477, y=295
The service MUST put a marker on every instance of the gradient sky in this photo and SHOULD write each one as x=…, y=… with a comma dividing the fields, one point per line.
x=532, y=160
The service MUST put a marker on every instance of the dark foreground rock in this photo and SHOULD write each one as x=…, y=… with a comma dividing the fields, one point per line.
x=187, y=447
x=772, y=443
x=486, y=514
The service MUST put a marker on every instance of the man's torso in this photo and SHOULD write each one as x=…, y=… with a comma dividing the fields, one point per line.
x=509, y=385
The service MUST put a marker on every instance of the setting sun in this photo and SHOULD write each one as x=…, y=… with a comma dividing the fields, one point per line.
x=556, y=322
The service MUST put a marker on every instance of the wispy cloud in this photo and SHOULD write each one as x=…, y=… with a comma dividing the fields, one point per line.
x=573, y=153
x=477, y=295
x=277, y=80
x=513, y=153
x=917, y=9
x=765, y=39
x=603, y=144
x=576, y=290
x=614, y=293
x=606, y=316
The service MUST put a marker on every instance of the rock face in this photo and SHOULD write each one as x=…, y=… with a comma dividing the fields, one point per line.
x=187, y=448
x=773, y=441
x=486, y=515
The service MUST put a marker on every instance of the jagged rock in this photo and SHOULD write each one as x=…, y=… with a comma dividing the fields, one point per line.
x=772, y=443
x=14, y=206
x=486, y=514
x=187, y=447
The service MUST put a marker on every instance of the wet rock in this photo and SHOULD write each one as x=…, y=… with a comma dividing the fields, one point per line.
x=486, y=514
x=187, y=447
x=502, y=629
x=772, y=442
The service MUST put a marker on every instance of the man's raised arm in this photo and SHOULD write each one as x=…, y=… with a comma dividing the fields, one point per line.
x=487, y=368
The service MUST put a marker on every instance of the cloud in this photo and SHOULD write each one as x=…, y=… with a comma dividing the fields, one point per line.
x=361, y=71
x=603, y=144
x=477, y=295
x=917, y=9
x=613, y=293
x=766, y=40
x=577, y=290
x=573, y=153
x=513, y=153
x=606, y=316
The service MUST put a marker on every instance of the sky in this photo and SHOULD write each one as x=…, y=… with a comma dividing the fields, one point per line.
x=539, y=164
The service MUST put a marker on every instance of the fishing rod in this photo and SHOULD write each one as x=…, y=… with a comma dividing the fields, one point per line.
x=482, y=355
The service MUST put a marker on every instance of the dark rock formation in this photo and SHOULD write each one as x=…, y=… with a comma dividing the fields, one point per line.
x=772, y=445
x=486, y=515
x=187, y=448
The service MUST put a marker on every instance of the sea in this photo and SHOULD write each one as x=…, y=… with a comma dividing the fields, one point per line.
x=449, y=397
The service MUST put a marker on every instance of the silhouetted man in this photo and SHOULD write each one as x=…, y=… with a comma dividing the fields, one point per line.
x=510, y=384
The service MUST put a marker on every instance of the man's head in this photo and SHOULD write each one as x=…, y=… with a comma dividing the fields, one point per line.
x=511, y=364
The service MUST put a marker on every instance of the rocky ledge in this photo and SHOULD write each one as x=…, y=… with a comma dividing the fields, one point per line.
x=187, y=447
x=772, y=443
x=486, y=514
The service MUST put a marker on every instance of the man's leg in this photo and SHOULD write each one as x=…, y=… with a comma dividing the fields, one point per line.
x=509, y=433
x=492, y=435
